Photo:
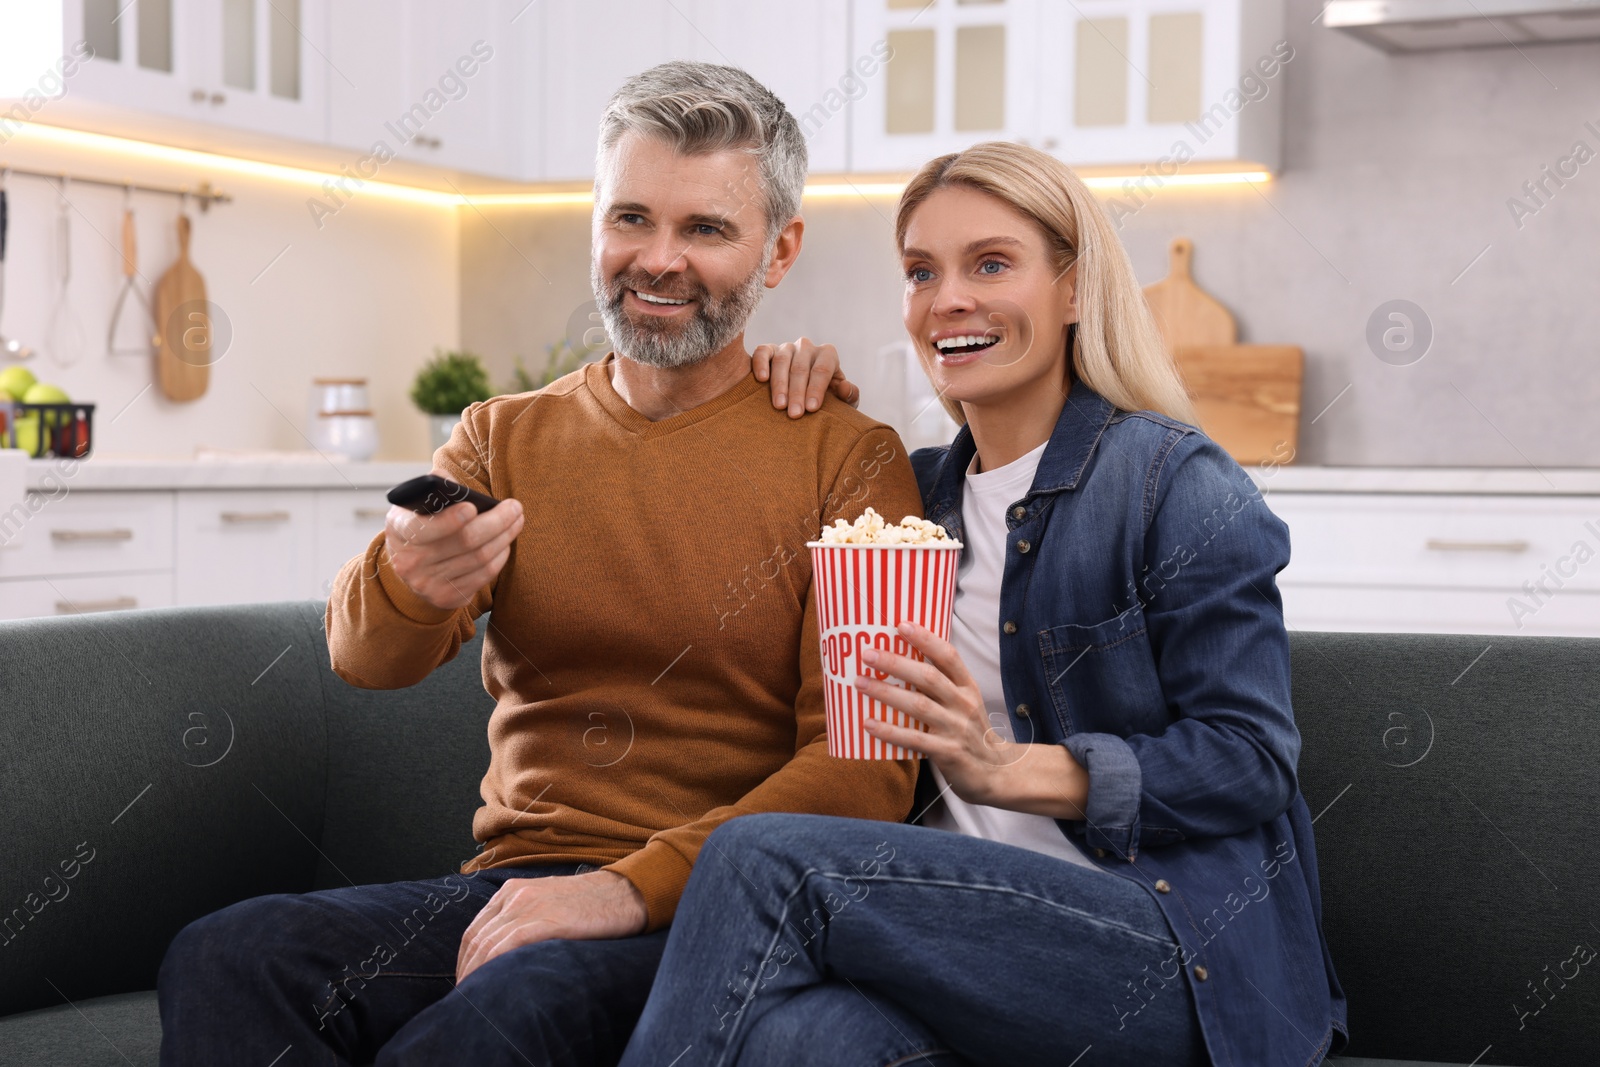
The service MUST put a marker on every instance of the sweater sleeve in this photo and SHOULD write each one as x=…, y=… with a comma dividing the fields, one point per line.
x=381, y=635
x=876, y=474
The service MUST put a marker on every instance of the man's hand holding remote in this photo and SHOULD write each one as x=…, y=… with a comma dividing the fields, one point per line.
x=446, y=557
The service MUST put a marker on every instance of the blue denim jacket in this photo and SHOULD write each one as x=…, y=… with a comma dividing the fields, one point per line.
x=1149, y=639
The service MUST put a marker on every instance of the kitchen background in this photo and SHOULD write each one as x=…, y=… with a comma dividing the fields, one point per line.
x=1457, y=179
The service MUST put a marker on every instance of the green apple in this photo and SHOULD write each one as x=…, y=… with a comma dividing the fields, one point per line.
x=28, y=433
x=44, y=393
x=16, y=381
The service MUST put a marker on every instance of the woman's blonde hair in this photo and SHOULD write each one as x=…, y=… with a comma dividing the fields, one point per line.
x=1117, y=349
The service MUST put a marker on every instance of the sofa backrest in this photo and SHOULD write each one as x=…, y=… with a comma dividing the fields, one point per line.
x=159, y=765
x=1453, y=780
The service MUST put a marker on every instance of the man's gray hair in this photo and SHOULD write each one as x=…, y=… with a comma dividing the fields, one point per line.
x=702, y=107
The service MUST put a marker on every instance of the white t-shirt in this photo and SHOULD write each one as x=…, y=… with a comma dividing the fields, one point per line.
x=975, y=631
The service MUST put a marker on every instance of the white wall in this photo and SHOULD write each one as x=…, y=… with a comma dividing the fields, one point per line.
x=370, y=295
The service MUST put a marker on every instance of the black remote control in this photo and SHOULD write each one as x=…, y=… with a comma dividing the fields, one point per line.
x=430, y=493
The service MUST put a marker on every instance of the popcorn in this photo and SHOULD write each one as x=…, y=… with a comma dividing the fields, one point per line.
x=870, y=529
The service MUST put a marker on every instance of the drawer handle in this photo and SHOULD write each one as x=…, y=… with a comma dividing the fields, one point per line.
x=91, y=535
x=83, y=607
x=1436, y=544
x=372, y=513
x=255, y=516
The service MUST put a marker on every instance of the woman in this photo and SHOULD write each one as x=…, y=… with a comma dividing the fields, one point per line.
x=1114, y=855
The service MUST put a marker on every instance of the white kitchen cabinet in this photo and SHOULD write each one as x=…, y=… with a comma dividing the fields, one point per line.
x=67, y=533
x=1112, y=82
x=28, y=598
x=256, y=65
x=64, y=553
x=235, y=546
x=588, y=48
x=957, y=72
x=1150, y=80
x=108, y=534
x=464, y=101
x=347, y=521
x=1444, y=563
x=800, y=52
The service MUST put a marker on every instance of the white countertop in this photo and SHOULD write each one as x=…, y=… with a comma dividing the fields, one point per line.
x=111, y=472
x=1511, y=481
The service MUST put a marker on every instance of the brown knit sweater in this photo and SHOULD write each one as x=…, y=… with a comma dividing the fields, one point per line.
x=653, y=645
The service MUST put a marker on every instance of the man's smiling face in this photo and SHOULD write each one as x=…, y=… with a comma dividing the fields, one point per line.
x=680, y=250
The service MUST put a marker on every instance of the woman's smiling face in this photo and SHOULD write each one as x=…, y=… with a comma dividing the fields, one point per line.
x=984, y=303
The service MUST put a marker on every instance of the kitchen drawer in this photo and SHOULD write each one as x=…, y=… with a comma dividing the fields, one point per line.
x=87, y=532
x=1367, y=609
x=26, y=598
x=347, y=521
x=244, y=546
x=1461, y=542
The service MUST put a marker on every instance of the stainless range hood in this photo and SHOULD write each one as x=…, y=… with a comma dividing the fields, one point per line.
x=1429, y=25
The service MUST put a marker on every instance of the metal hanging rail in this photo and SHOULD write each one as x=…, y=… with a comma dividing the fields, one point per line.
x=204, y=193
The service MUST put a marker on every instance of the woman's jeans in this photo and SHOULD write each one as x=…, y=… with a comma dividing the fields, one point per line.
x=807, y=939
x=349, y=976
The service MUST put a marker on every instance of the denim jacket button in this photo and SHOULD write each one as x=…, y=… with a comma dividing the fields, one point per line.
x=1099, y=853
x=1019, y=512
x=1023, y=547
x=1023, y=711
x=1162, y=886
x=1010, y=627
x=1201, y=973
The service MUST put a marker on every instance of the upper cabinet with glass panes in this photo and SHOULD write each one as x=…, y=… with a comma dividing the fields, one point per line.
x=256, y=65
x=1095, y=82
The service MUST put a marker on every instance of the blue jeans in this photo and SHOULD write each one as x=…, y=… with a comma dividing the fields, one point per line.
x=367, y=974
x=806, y=939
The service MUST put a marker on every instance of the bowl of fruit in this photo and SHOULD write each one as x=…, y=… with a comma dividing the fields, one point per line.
x=40, y=418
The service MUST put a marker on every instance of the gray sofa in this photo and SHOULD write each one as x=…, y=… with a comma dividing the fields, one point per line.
x=174, y=761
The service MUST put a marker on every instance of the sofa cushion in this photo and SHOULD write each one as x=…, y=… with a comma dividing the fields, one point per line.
x=115, y=1031
x=1452, y=783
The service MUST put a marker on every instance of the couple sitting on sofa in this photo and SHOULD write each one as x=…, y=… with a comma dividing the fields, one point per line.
x=1112, y=850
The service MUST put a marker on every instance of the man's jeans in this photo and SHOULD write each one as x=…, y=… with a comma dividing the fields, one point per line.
x=811, y=940
x=367, y=973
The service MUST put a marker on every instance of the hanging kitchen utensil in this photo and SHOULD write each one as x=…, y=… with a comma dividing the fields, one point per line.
x=1247, y=397
x=65, y=337
x=130, y=271
x=183, y=316
x=9, y=348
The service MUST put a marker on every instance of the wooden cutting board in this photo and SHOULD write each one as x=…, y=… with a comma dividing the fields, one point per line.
x=1247, y=397
x=1187, y=314
x=183, y=317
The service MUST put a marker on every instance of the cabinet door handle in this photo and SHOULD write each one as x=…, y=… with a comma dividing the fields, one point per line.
x=1437, y=544
x=218, y=98
x=372, y=513
x=255, y=516
x=69, y=536
x=83, y=607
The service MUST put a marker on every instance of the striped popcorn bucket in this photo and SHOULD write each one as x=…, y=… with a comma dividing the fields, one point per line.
x=863, y=593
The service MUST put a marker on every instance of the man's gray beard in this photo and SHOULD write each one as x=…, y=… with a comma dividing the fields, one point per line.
x=715, y=322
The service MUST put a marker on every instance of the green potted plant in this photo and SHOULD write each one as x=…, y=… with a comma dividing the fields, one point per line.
x=561, y=358
x=445, y=386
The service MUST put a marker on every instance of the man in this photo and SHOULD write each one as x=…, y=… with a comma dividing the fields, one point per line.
x=652, y=651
